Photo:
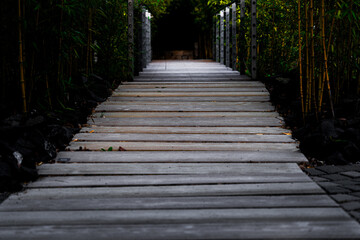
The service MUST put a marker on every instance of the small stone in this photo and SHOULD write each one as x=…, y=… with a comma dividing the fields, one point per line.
x=341, y=198
x=352, y=174
x=350, y=206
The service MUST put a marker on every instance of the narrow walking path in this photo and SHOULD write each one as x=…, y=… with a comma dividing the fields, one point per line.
x=197, y=153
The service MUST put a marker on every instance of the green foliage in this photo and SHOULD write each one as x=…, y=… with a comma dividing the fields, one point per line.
x=66, y=42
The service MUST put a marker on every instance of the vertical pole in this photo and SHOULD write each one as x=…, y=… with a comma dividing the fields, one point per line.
x=150, y=48
x=222, y=37
x=143, y=33
x=242, y=8
x=148, y=38
x=217, y=39
x=138, y=53
x=241, y=43
x=233, y=34
x=227, y=11
x=214, y=39
x=253, y=40
x=131, y=36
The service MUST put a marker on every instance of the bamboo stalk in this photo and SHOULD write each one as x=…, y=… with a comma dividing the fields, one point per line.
x=325, y=56
x=48, y=90
x=307, y=57
x=21, y=60
x=300, y=61
x=323, y=80
x=312, y=46
x=89, y=40
x=60, y=43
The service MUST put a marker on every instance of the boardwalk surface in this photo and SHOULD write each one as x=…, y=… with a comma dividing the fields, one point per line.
x=197, y=153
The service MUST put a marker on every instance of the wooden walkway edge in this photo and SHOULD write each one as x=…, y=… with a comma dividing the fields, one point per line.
x=189, y=150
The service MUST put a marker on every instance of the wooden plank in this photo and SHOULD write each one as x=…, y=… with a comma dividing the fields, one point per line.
x=180, y=156
x=184, y=90
x=133, y=85
x=189, y=72
x=191, y=99
x=187, y=79
x=165, y=180
x=169, y=216
x=166, y=168
x=303, y=188
x=203, y=130
x=222, y=202
x=189, y=94
x=150, y=137
x=182, y=114
x=281, y=229
x=194, y=83
x=182, y=146
x=188, y=122
x=245, y=107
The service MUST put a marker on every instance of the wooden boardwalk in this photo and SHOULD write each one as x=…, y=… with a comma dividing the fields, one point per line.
x=197, y=153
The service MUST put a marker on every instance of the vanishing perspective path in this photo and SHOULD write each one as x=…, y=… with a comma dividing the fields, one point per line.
x=189, y=150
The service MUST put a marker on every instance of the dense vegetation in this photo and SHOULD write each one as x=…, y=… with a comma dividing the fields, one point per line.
x=54, y=50
x=65, y=43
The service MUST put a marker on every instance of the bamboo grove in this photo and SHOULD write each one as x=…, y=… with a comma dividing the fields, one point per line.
x=320, y=41
x=51, y=49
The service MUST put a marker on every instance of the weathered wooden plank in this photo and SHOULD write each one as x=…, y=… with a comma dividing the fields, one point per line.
x=165, y=180
x=182, y=146
x=189, y=74
x=222, y=202
x=189, y=122
x=282, y=229
x=169, y=216
x=187, y=79
x=184, y=84
x=198, y=129
x=186, y=108
x=182, y=114
x=191, y=99
x=189, y=94
x=185, y=90
x=166, y=168
x=150, y=137
x=191, y=104
x=303, y=188
x=180, y=156
x=134, y=86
